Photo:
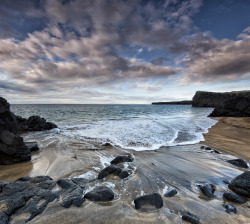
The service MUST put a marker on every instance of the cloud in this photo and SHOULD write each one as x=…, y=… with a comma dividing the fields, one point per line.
x=208, y=59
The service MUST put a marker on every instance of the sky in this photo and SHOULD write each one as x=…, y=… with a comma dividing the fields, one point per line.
x=122, y=51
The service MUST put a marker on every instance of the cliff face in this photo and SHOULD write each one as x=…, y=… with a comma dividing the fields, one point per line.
x=212, y=99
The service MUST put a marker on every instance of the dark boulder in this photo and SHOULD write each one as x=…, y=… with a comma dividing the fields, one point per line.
x=122, y=159
x=4, y=218
x=123, y=174
x=190, y=218
x=106, y=171
x=34, y=123
x=102, y=194
x=12, y=147
x=229, y=208
x=171, y=192
x=238, y=162
x=149, y=199
x=72, y=193
x=208, y=190
x=234, y=198
x=241, y=184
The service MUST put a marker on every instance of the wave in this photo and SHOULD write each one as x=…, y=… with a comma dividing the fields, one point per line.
x=142, y=133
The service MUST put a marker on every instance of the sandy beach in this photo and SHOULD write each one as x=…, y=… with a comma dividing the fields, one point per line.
x=181, y=167
x=230, y=135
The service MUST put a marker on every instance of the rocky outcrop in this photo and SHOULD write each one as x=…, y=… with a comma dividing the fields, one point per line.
x=34, y=123
x=213, y=99
x=12, y=147
x=238, y=106
x=26, y=196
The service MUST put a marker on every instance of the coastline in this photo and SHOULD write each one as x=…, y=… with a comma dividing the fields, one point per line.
x=230, y=135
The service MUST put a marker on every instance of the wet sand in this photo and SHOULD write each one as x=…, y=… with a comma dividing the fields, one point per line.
x=181, y=167
x=230, y=135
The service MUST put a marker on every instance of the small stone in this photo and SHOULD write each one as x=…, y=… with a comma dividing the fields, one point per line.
x=208, y=190
x=229, y=208
x=234, y=198
x=121, y=159
x=238, y=162
x=202, y=147
x=208, y=148
x=171, y=192
x=123, y=174
x=190, y=218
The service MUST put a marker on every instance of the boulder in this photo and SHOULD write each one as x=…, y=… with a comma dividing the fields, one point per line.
x=12, y=147
x=149, y=199
x=122, y=159
x=190, y=218
x=241, y=184
x=238, y=162
x=171, y=192
x=102, y=194
x=234, y=198
x=106, y=171
x=34, y=123
x=208, y=190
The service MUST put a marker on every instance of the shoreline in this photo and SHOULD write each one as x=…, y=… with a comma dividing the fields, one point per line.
x=230, y=135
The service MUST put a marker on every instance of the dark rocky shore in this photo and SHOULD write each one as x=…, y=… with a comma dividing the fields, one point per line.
x=12, y=147
x=228, y=104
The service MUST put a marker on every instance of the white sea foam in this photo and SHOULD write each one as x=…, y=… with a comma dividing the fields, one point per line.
x=142, y=134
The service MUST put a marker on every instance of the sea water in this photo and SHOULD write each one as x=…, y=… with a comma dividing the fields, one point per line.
x=137, y=127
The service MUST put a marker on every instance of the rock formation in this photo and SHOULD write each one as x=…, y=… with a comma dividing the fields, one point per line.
x=213, y=99
x=34, y=123
x=12, y=147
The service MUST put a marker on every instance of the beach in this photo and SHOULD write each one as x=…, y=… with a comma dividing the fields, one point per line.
x=230, y=135
x=154, y=171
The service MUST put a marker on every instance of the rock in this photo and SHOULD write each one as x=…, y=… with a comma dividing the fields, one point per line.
x=226, y=181
x=208, y=190
x=121, y=159
x=26, y=196
x=32, y=146
x=229, y=208
x=238, y=106
x=72, y=193
x=213, y=99
x=238, y=162
x=190, y=218
x=202, y=147
x=208, y=148
x=149, y=199
x=106, y=144
x=234, y=198
x=106, y=171
x=171, y=192
x=241, y=184
x=123, y=174
x=34, y=123
x=216, y=151
x=12, y=147
x=101, y=193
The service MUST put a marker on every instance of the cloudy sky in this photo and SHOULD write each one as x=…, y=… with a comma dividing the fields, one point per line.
x=122, y=51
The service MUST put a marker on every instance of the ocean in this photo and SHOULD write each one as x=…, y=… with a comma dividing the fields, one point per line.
x=136, y=127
